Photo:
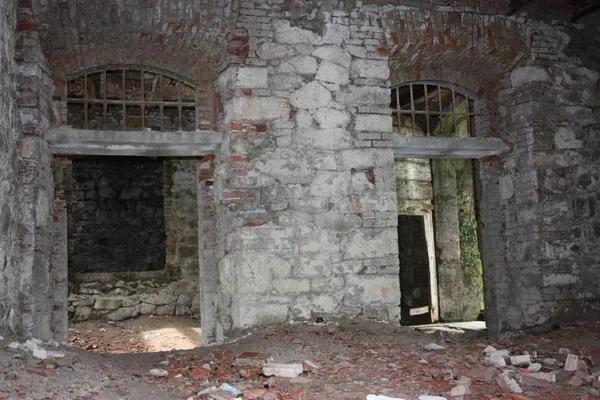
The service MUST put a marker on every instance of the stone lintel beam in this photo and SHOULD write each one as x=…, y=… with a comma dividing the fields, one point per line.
x=437, y=147
x=70, y=141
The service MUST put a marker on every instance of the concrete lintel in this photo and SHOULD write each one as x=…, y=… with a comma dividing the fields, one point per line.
x=70, y=141
x=436, y=147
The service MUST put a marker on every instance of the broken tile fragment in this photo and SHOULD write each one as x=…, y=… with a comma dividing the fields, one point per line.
x=282, y=370
x=253, y=359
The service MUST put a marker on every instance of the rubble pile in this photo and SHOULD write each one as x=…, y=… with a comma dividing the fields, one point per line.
x=343, y=366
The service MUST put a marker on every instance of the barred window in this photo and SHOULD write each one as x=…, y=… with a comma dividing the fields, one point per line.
x=432, y=109
x=130, y=98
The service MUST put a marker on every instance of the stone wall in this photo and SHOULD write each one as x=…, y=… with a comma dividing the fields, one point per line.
x=181, y=218
x=10, y=312
x=305, y=184
x=117, y=216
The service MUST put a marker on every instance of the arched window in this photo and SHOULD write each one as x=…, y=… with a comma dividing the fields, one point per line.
x=432, y=109
x=130, y=98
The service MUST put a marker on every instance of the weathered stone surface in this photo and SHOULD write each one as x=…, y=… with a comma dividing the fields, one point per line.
x=358, y=95
x=331, y=118
x=334, y=54
x=285, y=33
x=324, y=139
x=312, y=95
x=302, y=65
x=377, y=69
x=332, y=73
x=336, y=222
x=528, y=74
x=371, y=244
x=270, y=51
x=373, y=123
x=122, y=314
x=256, y=109
x=251, y=78
x=108, y=304
x=335, y=33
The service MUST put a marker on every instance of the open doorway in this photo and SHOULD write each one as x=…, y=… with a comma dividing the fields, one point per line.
x=440, y=264
x=133, y=253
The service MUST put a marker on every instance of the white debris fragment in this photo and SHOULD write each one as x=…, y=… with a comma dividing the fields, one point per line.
x=158, y=372
x=55, y=354
x=535, y=367
x=571, y=362
x=1, y=338
x=207, y=390
x=507, y=383
x=40, y=353
x=379, y=397
x=489, y=349
x=283, y=370
x=433, y=347
x=14, y=345
x=550, y=361
x=564, y=351
x=460, y=390
x=497, y=360
x=423, y=361
x=432, y=398
x=231, y=389
x=521, y=361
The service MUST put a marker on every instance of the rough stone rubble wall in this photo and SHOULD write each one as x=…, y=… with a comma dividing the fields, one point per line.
x=541, y=197
x=9, y=132
x=306, y=188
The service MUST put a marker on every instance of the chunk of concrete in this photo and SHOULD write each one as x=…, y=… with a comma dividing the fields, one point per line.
x=508, y=384
x=460, y=390
x=157, y=372
x=282, y=370
x=520, y=361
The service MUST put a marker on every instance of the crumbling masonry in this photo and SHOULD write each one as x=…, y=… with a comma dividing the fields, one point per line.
x=283, y=202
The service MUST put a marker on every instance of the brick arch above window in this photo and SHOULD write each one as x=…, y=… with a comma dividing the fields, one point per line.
x=131, y=97
x=438, y=109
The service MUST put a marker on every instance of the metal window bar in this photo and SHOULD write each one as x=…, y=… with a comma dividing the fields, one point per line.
x=105, y=102
x=469, y=112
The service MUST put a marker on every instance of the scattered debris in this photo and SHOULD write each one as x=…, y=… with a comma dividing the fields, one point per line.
x=157, y=372
x=379, y=397
x=571, y=363
x=433, y=347
x=282, y=370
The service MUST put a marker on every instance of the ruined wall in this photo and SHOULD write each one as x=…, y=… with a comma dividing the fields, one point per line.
x=542, y=195
x=117, y=219
x=305, y=183
x=9, y=132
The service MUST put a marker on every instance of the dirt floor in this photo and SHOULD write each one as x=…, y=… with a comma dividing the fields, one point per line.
x=349, y=360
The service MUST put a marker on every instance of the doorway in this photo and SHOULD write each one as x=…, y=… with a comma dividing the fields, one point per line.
x=440, y=264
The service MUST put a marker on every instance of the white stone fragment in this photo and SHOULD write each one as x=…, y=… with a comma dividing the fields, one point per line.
x=508, y=383
x=285, y=33
x=252, y=78
x=564, y=351
x=460, y=390
x=158, y=372
x=535, y=367
x=311, y=96
x=550, y=361
x=273, y=51
x=433, y=347
x=303, y=65
x=1, y=338
x=256, y=109
x=55, y=354
x=571, y=362
x=380, y=397
x=40, y=353
x=497, y=360
x=432, y=398
x=520, y=361
x=14, y=345
x=489, y=349
x=282, y=370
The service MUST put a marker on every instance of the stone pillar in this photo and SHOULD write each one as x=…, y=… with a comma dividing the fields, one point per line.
x=305, y=185
x=59, y=271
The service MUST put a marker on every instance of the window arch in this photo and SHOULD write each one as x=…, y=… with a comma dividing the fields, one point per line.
x=433, y=109
x=129, y=97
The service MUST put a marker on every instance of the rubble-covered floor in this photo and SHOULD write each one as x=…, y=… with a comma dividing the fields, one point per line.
x=347, y=360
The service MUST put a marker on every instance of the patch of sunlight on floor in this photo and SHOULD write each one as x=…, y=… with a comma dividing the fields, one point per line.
x=170, y=338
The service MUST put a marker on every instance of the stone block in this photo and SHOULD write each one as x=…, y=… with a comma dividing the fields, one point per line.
x=311, y=96
x=331, y=118
x=275, y=51
x=285, y=33
x=330, y=183
x=159, y=299
x=371, y=243
x=123, y=313
x=285, y=82
x=146, y=309
x=571, y=362
x=165, y=310
x=251, y=78
x=290, y=285
x=364, y=95
x=324, y=139
x=333, y=54
x=335, y=33
x=373, y=123
x=302, y=65
x=508, y=384
x=528, y=74
x=332, y=73
x=256, y=109
x=520, y=361
x=337, y=222
x=375, y=69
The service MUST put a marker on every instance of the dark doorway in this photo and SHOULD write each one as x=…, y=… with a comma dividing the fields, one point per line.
x=415, y=288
